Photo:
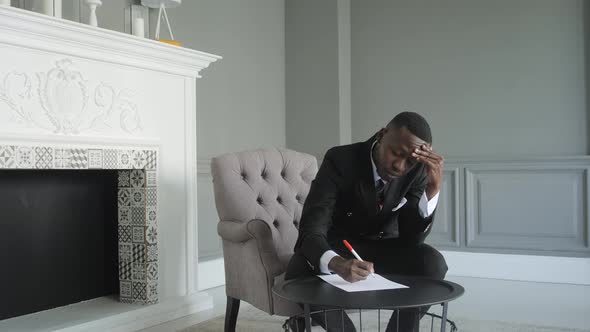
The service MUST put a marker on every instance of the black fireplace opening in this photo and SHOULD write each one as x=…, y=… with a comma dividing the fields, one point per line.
x=58, y=238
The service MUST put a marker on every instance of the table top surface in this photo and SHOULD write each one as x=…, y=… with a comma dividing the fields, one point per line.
x=421, y=292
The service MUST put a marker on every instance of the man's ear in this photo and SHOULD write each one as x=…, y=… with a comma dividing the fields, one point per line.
x=381, y=133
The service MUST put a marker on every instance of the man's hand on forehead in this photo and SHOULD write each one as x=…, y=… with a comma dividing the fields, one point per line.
x=434, y=167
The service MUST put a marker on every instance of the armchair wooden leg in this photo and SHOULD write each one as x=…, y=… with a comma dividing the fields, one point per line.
x=231, y=314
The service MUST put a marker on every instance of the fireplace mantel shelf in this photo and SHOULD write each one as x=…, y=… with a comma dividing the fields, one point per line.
x=51, y=34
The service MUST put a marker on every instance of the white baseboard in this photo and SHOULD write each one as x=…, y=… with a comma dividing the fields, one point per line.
x=561, y=270
x=148, y=316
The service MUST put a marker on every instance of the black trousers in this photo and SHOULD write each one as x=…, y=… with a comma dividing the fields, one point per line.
x=389, y=257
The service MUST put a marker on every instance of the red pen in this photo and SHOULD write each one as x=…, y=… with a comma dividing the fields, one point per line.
x=354, y=252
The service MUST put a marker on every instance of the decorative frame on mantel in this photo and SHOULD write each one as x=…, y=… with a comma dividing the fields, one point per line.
x=73, y=90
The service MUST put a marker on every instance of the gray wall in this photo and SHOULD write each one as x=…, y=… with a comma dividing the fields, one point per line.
x=312, y=85
x=503, y=84
x=241, y=99
x=502, y=78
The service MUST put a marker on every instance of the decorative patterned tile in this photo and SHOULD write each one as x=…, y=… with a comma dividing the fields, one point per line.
x=138, y=197
x=138, y=234
x=137, y=178
x=109, y=159
x=7, y=156
x=139, y=272
x=95, y=159
x=128, y=300
x=78, y=158
x=124, y=197
x=151, y=178
x=138, y=216
x=151, y=197
x=124, y=160
x=151, y=159
x=152, y=291
x=152, y=271
x=124, y=215
x=151, y=235
x=125, y=251
x=139, y=253
x=124, y=179
x=138, y=159
x=43, y=157
x=25, y=157
x=139, y=291
x=61, y=158
x=125, y=269
x=124, y=233
x=125, y=289
x=151, y=215
x=152, y=253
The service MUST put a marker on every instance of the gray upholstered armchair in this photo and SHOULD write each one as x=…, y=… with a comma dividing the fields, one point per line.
x=259, y=196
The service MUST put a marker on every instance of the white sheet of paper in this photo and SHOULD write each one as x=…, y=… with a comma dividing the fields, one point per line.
x=375, y=282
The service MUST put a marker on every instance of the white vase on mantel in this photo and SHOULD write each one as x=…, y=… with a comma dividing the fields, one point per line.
x=92, y=5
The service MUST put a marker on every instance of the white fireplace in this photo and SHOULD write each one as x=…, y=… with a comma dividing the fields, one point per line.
x=79, y=97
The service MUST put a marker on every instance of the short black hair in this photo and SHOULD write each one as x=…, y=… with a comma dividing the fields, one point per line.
x=414, y=122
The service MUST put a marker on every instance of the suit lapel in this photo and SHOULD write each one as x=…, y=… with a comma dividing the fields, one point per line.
x=399, y=188
x=365, y=185
x=392, y=196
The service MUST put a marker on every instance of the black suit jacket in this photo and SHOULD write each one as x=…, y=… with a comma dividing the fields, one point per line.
x=341, y=204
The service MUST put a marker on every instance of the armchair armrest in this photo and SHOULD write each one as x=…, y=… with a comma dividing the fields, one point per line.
x=233, y=231
x=260, y=232
x=237, y=231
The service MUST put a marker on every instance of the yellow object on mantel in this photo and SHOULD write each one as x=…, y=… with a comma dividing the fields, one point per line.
x=169, y=41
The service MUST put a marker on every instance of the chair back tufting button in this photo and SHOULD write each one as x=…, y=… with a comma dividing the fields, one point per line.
x=276, y=223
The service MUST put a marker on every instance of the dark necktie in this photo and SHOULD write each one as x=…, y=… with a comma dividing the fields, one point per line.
x=380, y=189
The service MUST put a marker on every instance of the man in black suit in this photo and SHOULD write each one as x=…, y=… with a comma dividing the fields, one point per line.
x=380, y=195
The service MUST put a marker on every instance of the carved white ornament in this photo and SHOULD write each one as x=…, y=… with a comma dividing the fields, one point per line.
x=62, y=104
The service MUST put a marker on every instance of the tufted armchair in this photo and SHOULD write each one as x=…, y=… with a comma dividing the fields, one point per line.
x=259, y=197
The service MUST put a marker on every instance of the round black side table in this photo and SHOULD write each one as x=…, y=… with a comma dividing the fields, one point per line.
x=313, y=291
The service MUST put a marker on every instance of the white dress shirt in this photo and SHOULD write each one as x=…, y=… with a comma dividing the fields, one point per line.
x=425, y=208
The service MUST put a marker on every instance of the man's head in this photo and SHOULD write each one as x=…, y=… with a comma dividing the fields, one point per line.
x=396, y=142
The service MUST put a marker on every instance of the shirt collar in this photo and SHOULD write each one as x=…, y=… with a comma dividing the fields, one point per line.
x=376, y=175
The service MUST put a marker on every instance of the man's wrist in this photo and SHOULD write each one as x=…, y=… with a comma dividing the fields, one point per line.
x=431, y=191
x=336, y=264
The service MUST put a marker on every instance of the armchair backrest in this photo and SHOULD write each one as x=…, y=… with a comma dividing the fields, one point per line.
x=270, y=185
